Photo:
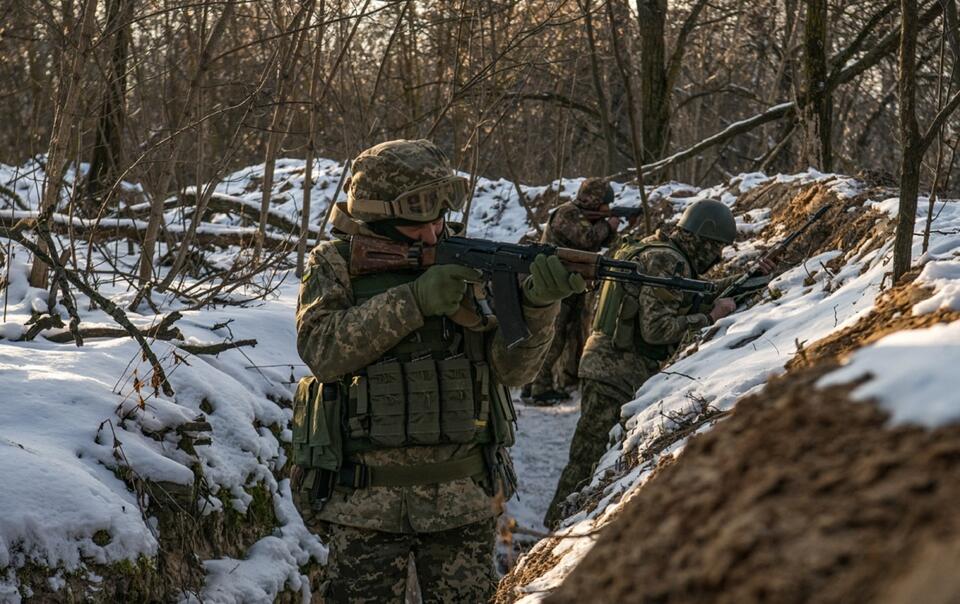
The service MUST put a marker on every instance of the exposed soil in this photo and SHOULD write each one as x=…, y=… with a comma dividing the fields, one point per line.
x=534, y=565
x=847, y=226
x=801, y=495
x=891, y=313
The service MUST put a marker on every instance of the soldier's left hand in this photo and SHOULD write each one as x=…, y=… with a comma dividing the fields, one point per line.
x=550, y=281
x=766, y=266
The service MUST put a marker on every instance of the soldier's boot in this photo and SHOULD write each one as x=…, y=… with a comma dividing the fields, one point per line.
x=526, y=392
x=547, y=398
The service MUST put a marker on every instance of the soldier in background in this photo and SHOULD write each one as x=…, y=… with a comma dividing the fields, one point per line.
x=401, y=435
x=568, y=226
x=636, y=329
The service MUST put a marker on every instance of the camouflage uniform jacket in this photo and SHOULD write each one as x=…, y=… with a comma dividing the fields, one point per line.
x=660, y=317
x=568, y=227
x=336, y=337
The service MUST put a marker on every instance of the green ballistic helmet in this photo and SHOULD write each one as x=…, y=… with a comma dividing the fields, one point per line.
x=403, y=179
x=709, y=219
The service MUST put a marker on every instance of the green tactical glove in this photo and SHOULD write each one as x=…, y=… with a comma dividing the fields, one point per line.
x=440, y=289
x=550, y=281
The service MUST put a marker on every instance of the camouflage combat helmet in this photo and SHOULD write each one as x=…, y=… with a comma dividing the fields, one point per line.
x=403, y=179
x=593, y=193
x=709, y=219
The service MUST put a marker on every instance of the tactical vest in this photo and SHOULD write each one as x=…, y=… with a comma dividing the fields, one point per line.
x=435, y=387
x=618, y=314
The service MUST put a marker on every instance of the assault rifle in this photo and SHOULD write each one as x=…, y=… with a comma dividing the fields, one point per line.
x=753, y=279
x=500, y=264
x=625, y=212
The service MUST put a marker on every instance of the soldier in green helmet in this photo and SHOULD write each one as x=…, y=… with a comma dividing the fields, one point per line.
x=401, y=434
x=637, y=328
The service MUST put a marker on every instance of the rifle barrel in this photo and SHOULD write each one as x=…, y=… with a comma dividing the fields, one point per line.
x=622, y=270
x=775, y=251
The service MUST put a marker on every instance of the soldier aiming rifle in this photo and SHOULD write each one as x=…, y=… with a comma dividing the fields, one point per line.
x=589, y=224
x=637, y=328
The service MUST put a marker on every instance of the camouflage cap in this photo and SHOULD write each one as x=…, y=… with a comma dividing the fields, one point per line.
x=388, y=170
x=710, y=219
x=593, y=193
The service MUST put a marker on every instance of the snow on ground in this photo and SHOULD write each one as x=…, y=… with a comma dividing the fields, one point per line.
x=60, y=407
x=753, y=345
x=912, y=373
x=42, y=383
x=71, y=417
x=541, y=452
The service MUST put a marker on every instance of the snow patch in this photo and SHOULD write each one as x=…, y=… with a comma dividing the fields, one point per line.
x=911, y=373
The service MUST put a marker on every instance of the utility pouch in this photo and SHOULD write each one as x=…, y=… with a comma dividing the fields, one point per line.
x=317, y=442
x=623, y=332
x=459, y=417
x=358, y=422
x=423, y=402
x=387, y=404
x=303, y=400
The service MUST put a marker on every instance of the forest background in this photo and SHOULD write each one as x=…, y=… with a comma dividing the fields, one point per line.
x=174, y=93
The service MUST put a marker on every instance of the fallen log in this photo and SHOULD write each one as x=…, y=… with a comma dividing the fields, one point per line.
x=214, y=348
x=134, y=230
x=219, y=203
x=159, y=380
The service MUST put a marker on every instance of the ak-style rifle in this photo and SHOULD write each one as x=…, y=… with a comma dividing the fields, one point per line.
x=500, y=264
x=753, y=279
x=626, y=212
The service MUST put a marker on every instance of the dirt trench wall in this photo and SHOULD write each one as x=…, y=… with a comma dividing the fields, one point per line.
x=800, y=494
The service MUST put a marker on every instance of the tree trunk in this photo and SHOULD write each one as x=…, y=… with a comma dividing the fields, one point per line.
x=65, y=120
x=624, y=66
x=183, y=113
x=290, y=42
x=910, y=141
x=654, y=93
x=819, y=115
x=312, y=117
x=108, y=144
x=605, y=126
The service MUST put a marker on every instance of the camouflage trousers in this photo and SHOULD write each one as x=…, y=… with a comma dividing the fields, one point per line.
x=568, y=332
x=600, y=405
x=365, y=565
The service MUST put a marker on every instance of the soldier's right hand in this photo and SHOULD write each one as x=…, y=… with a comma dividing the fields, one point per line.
x=722, y=307
x=441, y=288
x=614, y=222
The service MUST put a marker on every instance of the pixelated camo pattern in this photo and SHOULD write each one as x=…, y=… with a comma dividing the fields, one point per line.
x=370, y=567
x=568, y=227
x=337, y=337
x=665, y=317
x=387, y=170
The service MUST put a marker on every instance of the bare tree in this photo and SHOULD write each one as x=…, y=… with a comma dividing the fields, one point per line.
x=65, y=121
x=819, y=111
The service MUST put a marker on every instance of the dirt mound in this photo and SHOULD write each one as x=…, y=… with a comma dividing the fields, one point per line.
x=533, y=566
x=847, y=226
x=892, y=312
x=801, y=495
